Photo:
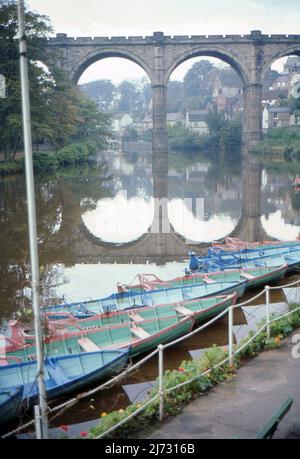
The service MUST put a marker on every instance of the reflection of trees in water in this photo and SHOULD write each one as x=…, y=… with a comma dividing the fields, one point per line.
x=60, y=201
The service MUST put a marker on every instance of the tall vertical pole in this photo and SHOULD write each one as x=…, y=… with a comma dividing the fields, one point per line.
x=32, y=227
x=161, y=380
x=230, y=335
x=268, y=311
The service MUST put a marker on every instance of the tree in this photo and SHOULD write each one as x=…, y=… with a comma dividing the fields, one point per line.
x=175, y=96
x=60, y=113
x=103, y=92
x=92, y=125
x=130, y=97
x=198, y=81
x=215, y=121
x=37, y=27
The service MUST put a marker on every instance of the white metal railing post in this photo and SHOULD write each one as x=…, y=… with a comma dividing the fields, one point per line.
x=268, y=310
x=161, y=381
x=37, y=418
x=230, y=335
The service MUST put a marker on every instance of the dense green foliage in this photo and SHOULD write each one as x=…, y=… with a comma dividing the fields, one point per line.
x=60, y=113
x=224, y=135
x=284, y=141
x=125, y=97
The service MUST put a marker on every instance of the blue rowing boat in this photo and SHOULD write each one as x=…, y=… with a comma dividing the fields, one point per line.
x=63, y=374
x=10, y=403
x=135, y=299
x=210, y=264
x=218, y=260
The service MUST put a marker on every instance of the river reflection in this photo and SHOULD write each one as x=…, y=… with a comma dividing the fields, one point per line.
x=104, y=223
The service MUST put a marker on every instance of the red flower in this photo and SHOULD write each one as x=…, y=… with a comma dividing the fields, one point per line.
x=64, y=428
x=182, y=370
x=84, y=434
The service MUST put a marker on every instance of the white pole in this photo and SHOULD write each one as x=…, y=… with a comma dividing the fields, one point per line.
x=161, y=383
x=32, y=220
x=230, y=335
x=268, y=310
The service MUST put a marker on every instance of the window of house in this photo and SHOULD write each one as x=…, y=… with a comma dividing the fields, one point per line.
x=275, y=124
x=275, y=115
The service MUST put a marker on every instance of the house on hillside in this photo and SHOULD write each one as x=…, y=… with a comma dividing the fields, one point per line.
x=195, y=121
x=227, y=83
x=272, y=97
x=228, y=92
x=275, y=117
x=120, y=122
x=146, y=123
x=292, y=64
x=281, y=82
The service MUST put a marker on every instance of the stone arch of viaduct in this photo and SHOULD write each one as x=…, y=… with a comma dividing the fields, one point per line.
x=250, y=55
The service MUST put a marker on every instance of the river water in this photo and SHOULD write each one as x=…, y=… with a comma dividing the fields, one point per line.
x=106, y=222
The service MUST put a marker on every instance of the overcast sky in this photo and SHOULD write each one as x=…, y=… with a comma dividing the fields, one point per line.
x=173, y=17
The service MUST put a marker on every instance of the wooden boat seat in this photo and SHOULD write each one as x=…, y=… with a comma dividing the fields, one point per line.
x=87, y=345
x=140, y=332
x=57, y=374
x=247, y=275
x=182, y=310
x=136, y=317
x=207, y=280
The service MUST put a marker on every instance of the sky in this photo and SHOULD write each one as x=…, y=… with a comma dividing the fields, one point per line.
x=173, y=17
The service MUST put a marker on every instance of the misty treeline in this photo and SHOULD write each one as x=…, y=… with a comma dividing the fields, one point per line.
x=61, y=114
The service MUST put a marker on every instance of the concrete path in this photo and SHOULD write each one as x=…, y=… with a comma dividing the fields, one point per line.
x=240, y=406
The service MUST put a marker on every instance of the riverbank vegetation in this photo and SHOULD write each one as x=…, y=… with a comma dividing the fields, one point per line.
x=280, y=143
x=189, y=370
x=64, y=120
x=223, y=135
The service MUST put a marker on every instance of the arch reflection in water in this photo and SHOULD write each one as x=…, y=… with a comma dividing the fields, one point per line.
x=188, y=204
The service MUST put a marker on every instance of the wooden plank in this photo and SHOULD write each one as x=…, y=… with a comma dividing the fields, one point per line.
x=208, y=280
x=136, y=317
x=269, y=428
x=247, y=275
x=182, y=310
x=140, y=332
x=87, y=345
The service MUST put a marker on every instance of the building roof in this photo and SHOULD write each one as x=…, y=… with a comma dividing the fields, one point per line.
x=272, y=94
x=281, y=79
x=229, y=77
x=174, y=116
x=279, y=110
x=147, y=119
x=197, y=115
x=292, y=61
x=119, y=116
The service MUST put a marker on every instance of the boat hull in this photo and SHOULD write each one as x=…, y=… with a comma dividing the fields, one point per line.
x=63, y=374
x=10, y=404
